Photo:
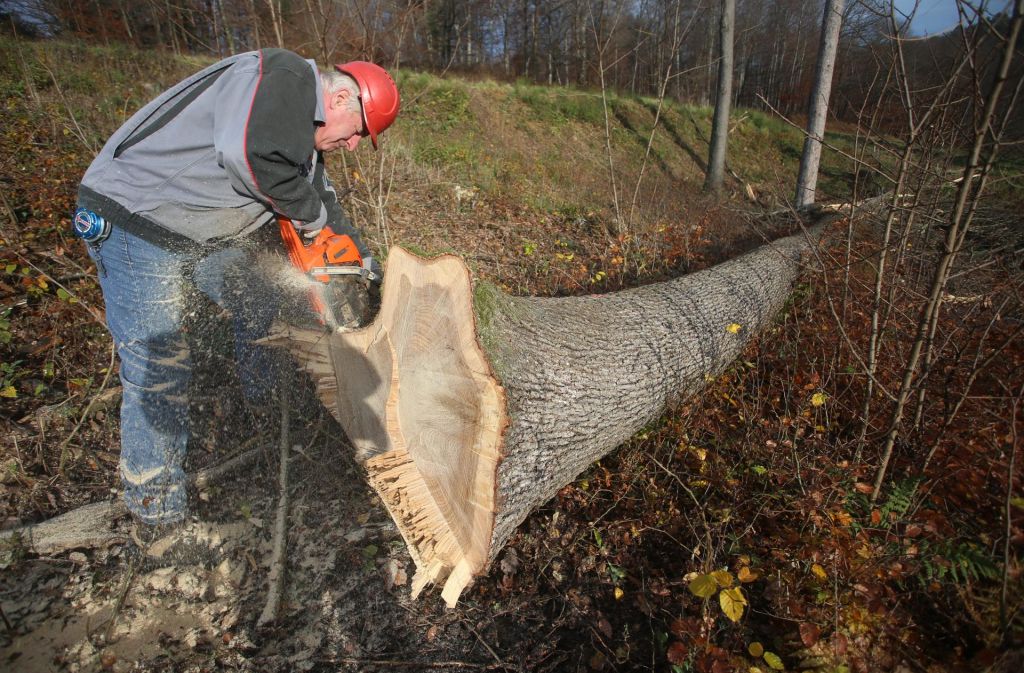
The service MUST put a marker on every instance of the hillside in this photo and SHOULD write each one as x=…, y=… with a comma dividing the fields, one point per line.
x=757, y=488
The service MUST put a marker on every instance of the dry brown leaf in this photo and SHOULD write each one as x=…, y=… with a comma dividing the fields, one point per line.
x=809, y=634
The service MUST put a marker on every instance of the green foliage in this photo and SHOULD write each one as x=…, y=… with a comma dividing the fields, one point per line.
x=448, y=155
x=560, y=106
x=956, y=562
x=440, y=105
x=10, y=372
x=5, y=326
x=901, y=499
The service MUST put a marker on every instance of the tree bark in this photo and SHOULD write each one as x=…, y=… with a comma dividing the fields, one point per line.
x=723, y=100
x=807, y=181
x=469, y=408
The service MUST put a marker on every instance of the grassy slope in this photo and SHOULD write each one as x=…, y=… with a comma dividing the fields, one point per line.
x=545, y=147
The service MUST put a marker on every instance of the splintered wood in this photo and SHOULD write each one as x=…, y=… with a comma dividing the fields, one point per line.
x=416, y=397
x=431, y=541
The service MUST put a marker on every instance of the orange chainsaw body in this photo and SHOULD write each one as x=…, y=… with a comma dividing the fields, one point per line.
x=327, y=250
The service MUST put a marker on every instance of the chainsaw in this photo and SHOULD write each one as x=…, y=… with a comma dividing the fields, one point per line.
x=331, y=262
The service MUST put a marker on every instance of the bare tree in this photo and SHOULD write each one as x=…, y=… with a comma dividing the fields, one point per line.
x=807, y=181
x=991, y=121
x=723, y=100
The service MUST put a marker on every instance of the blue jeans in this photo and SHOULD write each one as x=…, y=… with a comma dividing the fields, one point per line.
x=145, y=292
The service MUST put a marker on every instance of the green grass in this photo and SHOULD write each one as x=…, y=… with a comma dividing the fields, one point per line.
x=541, y=147
x=559, y=106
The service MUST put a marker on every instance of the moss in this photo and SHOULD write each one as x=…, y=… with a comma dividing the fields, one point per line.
x=420, y=251
x=489, y=305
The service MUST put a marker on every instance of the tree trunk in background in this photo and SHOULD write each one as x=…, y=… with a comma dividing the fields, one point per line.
x=229, y=38
x=277, y=20
x=127, y=23
x=172, y=26
x=469, y=408
x=807, y=180
x=255, y=23
x=723, y=100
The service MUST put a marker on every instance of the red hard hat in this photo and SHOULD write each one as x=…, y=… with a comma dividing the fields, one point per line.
x=377, y=93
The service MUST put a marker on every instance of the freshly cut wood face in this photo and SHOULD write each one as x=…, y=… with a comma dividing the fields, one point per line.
x=417, y=398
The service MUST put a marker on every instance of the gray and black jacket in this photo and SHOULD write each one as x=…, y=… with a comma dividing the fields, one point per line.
x=214, y=157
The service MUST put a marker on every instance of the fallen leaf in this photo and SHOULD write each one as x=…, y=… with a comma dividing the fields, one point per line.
x=818, y=399
x=605, y=627
x=733, y=328
x=863, y=488
x=819, y=572
x=687, y=626
x=677, y=653
x=774, y=661
x=108, y=659
x=809, y=634
x=746, y=575
x=703, y=586
x=723, y=578
x=755, y=649
x=732, y=602
x=619, y=593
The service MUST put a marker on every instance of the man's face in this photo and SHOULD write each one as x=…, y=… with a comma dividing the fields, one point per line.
x=343, y=126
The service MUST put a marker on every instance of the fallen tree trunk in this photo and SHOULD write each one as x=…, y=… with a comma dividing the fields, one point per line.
x=469, y=407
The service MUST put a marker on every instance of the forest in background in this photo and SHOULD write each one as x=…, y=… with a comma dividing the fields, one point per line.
x=630, y=46
x=849, y=555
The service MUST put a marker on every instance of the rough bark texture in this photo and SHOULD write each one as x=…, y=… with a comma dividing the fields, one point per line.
x=583, y=374
x=807, y=181
x=723, y=99
x=470, y=410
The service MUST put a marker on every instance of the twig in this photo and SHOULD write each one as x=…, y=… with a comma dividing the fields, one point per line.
x=700, y=507
x=78, y=132
x=275, y=579
x=1008, y=515
x=855, y=160
x=211, y=475
x=96, y=315
x=133, y=568
x=494, y=654
x=85, y=414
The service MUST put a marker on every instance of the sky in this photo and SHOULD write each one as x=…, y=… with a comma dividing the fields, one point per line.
x=938, y=16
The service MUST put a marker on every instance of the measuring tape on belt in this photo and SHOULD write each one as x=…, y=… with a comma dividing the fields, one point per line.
x=90, y=227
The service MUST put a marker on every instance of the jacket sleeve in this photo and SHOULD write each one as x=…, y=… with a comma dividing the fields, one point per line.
x=269, y=159
x=337, y=219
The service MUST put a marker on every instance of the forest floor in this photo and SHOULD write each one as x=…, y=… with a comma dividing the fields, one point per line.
x=759, y=483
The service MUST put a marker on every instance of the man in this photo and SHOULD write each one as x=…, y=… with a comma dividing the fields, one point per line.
x=169, y=203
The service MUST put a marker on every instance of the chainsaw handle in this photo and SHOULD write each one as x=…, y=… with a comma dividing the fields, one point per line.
x=326, y=249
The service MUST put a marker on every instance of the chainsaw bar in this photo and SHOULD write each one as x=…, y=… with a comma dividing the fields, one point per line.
x=366, y=274
x=345, y=302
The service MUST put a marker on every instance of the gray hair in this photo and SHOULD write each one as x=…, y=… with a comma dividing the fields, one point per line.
x=335, y=81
